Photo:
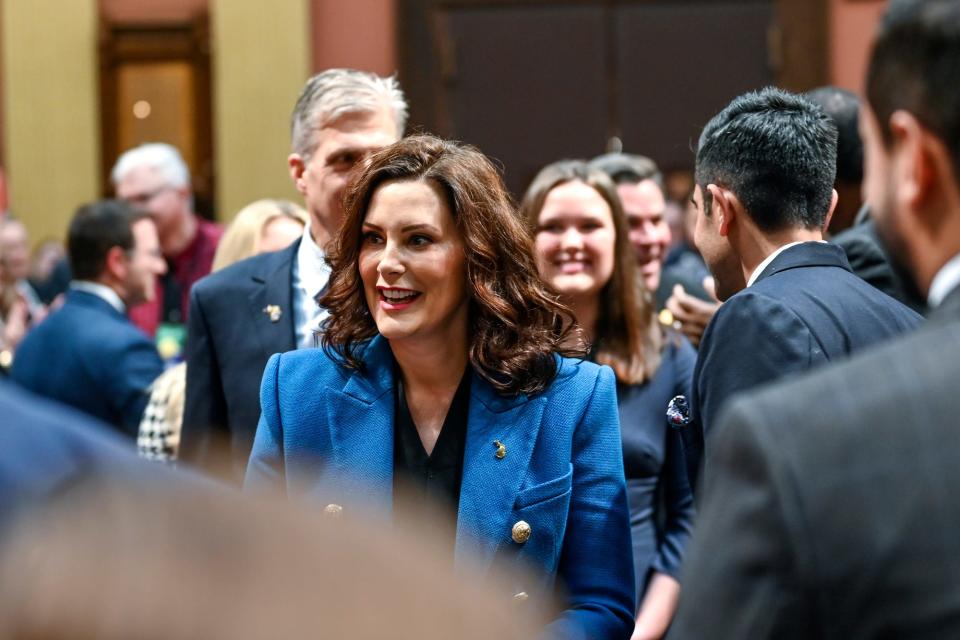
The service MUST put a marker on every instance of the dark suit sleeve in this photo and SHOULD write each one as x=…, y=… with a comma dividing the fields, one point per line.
x=740, y=578
x=205, y=436
x=752, y=340
x=677, y=494
x=595, y=563
x=138, y=365
x=265, y=471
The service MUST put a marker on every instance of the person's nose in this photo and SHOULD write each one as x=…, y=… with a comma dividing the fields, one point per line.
x=571, y=239
x=391, y=261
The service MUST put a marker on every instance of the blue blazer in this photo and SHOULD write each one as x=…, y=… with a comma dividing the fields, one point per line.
x=326, y=433
x=806, y=308
x=90, y=356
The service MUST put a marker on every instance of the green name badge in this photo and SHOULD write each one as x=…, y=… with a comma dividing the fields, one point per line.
x=171, y=337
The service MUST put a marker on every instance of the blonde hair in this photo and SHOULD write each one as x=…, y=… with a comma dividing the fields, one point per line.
x=242, y=238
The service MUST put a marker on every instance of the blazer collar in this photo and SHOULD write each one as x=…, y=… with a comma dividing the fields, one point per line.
x=807, y=254
x=948, y=310
x=361, y=417
x=272, y=288
x=376, y=378
x=93, y=301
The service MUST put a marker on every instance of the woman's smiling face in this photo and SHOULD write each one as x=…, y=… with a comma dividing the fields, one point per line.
x=412, y=263
x=575, y=242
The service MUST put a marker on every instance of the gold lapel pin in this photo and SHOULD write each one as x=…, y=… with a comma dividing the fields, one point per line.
x=273, y=311
x=501, y=450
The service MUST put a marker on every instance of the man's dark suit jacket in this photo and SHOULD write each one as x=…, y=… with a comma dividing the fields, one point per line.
x=870, y=261
x=90, y=356
x=230, y=336
x=830, y=507
x=806, y=308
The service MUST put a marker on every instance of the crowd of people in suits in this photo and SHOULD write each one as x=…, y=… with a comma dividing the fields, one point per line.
x=742, y=433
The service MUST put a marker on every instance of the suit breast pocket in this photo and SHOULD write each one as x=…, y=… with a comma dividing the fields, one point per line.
x=543, y=507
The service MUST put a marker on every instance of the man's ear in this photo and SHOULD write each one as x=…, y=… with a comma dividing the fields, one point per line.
x=834, y=198
x=115, y=264
x=296, y=165
x=725, y=207
x=919, y=156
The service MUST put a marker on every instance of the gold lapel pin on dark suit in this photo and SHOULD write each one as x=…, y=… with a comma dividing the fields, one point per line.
x=501, y=450
x=273, y=311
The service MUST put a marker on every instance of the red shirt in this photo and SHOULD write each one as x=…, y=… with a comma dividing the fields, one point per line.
x=192, y=264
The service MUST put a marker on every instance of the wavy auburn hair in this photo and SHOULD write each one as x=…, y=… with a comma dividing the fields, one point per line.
x=627, y=336
x=515, y=325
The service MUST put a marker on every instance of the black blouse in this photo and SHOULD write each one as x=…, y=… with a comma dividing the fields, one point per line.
x=435, y=477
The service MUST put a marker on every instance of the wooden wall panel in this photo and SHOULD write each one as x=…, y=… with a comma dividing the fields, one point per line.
x=51, y=121
x=261, y=60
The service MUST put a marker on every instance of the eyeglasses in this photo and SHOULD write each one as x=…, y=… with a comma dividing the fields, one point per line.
x=143, y=198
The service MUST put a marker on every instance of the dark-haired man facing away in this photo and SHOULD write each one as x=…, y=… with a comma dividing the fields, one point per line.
x=830, y=505
x=88, y=354
x=764, y=194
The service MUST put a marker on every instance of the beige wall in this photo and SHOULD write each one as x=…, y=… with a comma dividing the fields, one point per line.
x=261, y=59
x=51, y=126
x=852, y=26
x=360, y=34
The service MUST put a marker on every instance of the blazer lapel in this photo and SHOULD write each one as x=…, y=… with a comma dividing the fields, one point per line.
x=490, y=484
x=361, y=427
x=271, y=304
x=807, y=254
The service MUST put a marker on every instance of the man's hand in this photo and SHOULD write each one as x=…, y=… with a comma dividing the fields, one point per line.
x=692, y=315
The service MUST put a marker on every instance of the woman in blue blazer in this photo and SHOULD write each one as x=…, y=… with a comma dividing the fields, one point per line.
x=583, y=253
x=442, y=364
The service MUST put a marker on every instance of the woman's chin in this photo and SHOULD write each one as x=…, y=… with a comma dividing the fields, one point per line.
x=575, y=287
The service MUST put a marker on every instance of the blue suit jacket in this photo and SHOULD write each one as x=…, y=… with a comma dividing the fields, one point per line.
x=46, y=448
x=806, y=308
x=88, y=355
x=326, y=433
x=229, y=339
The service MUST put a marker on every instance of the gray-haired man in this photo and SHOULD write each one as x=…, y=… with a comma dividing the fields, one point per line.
x=242, y=315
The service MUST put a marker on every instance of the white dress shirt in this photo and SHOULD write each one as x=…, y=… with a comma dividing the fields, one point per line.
x=310, y=276
x=946, y=280
x=101, y=291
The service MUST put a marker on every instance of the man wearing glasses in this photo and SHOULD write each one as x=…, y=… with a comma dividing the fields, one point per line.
x=155, y=178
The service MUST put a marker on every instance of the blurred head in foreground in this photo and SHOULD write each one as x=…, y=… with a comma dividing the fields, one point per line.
x=112, y=564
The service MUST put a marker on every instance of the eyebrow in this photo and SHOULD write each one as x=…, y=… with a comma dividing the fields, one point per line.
x=563, y=215
x=409, y=227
